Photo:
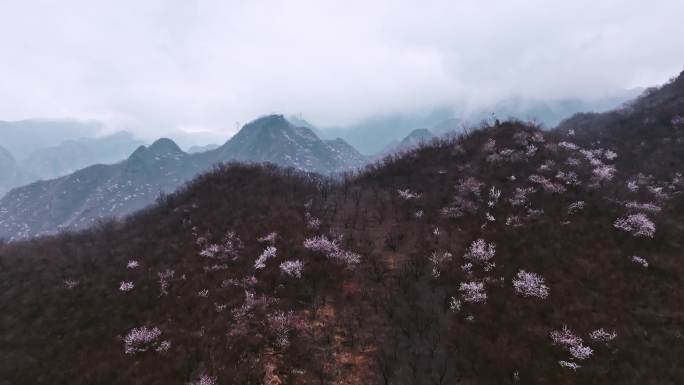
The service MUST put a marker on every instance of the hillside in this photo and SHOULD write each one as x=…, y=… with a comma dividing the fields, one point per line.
x=81, y=199
x=651, y=126
x=414, y=139
x=506, y=256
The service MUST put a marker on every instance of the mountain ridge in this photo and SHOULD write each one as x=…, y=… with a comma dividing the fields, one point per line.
x=122, y=188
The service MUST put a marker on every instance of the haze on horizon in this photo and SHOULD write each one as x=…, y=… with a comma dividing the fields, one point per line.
x=159, y=66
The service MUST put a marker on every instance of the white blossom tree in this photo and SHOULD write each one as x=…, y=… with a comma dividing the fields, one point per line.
x=530, y=285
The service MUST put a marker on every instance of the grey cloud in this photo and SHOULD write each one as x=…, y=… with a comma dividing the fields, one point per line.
x=162, y=66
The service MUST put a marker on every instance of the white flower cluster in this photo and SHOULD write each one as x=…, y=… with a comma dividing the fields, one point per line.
x=530, y=285
x=639, y=260
x=572, y=343
x=601, y=335
x=568, y=364
x=228, y=249
x=639, y=225
x=576, y=207
x=643, y=207
x=292, y=268
x=204, y=379
x=164, y=279
x=142, y=339
x=268, y=253
x=546, y=184
x=568, y=145
x=494, y=195
x=332, y=250
x=312, y=222
x=473, y=292
x=480, y=251
x=408, y=194
x=438, y=259
x=126, y=286
x=521, y=196
x=269, y=238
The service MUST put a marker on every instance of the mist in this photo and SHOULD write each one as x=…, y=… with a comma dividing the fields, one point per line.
x=160, y=67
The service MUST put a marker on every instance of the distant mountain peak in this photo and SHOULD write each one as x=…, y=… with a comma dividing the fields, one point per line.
x=164, y=146
x=268, y=121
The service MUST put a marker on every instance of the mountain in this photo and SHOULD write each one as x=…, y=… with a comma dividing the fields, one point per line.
x=373, y=135
x=415, y=139
x=10, y=173
x=274, y=139
x=24, y=137
x=378, y=133
x=81, y=199
x=71, y=155
x=346, y=154
x=505, y=255
x=205, y=148
x=299, y=122
x=651, y=126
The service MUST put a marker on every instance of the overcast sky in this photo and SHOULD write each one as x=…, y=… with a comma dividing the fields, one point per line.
x=155, y=66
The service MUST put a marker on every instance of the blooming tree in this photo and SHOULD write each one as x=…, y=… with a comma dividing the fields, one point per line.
x=133, y=264
x=268, y=253
x=126, y=286
x=643, y=207
x=576, y=207
x=568, y=364
x=603, y=173
x=571, y=342
x=530, y=285
x=407, y=194
x=332, y=250
x=639, y=260
x=521, y=196
x=269, y=238
x=473, y=292
x=281, y=324
x=204, y=379
x=312, y=222
x=480, y=251
x=546, y=184
x=455, y=304
x=601, y=335
x=639, y=225
x=568, y=145
x=229, y=247
x=164, y=279
x=494, y=195
x=438, y=259
x=292, y=268
x=143, y=339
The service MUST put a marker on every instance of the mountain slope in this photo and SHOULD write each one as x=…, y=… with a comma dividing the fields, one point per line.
x=23, y=137
x=79, y=200
x=72, y=155
x=10, y=173
x=274, y=139
x=414, y=139
x=409, y=273
x=650, y=129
